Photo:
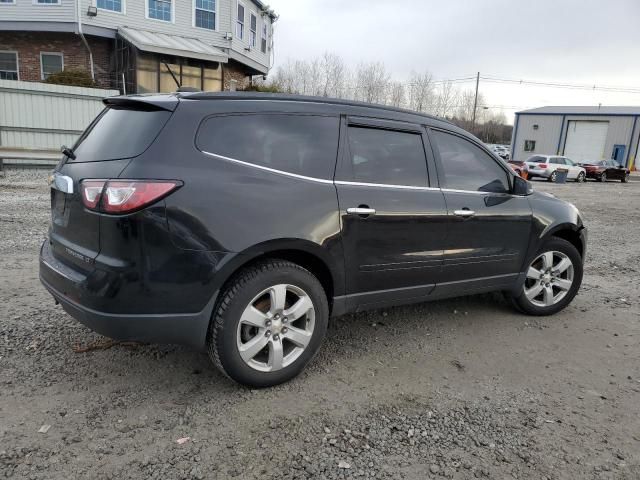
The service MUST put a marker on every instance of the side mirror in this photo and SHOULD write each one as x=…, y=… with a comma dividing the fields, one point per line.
x=522, y=187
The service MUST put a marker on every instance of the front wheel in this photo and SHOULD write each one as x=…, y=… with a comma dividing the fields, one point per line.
x=602, y=177
x=269, y=324
x=625, y=179
x=552, y=279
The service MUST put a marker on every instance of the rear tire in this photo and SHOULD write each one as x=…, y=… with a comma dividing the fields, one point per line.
x=581, y=177
x=625, y=179
x=269, y=324
x=553, y=279
x=552, y=178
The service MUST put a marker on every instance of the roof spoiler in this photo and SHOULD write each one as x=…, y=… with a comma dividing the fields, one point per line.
x=144, y=102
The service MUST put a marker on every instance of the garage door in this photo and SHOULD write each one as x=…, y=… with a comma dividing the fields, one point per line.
x=585, y=140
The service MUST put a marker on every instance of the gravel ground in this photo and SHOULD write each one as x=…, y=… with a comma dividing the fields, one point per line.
x=463, y=388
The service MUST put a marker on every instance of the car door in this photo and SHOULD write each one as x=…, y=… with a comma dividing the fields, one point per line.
x=488, y=229
x=393, y=221
x=571, y=167
x=614, y=170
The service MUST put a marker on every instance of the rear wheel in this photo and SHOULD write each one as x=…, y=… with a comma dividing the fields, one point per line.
x=602, y=177
x=553, y=177
x=625, y=179
x=269, y=324
x=552, y=279
x=580, y=177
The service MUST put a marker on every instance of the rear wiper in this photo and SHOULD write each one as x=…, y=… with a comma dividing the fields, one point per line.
x=68, y=152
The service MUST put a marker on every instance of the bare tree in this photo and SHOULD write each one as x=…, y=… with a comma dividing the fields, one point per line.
x=333, y=75
x=396, y=94
x=371, y=82
x=446, y=97
x=421, y=92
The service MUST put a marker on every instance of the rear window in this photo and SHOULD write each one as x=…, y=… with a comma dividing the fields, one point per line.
x=119, y=133
x=301, y=144
x=537, y=159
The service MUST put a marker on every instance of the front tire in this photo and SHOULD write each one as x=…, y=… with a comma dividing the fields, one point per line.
x=625, y=179
x=553, y=279
x=269, y=324
x=602, y=177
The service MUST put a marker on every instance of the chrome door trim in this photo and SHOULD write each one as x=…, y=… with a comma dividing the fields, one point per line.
x=384, y=185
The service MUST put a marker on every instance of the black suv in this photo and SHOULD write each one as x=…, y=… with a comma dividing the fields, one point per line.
x=239, y=223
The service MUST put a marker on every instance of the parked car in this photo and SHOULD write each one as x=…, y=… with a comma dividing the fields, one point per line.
x=603, y=170
x=545, y=166
x=239, y=223
x=501, y=150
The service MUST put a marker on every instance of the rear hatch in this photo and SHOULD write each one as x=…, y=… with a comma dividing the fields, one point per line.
x=121, y=132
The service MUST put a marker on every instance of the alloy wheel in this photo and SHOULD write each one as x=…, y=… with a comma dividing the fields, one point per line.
x=553, y=177
x=275, y=328
x=603, y=177
x=549, y=279
x=580, y=177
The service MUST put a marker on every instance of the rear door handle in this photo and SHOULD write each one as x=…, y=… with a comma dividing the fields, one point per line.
x=465, y=212
x=365, y=211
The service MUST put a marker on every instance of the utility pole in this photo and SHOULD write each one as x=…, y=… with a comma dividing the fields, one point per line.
x=475, y=102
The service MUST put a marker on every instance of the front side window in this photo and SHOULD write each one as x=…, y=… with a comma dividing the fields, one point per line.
x=529, y=145
x=8, y=66
x=253, y=30
x=48, y=2
x=263, y=39
x=113, y=5
x=51, y=63
x=387, y=157
x=206, y=14
x=300, y=144
x=7, y=1
x=240, y=22
x=160, y=9
x=467, y=167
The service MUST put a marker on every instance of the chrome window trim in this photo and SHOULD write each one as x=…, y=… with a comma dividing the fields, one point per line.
x=383, y=185
x=268, y=169
x=341, y=182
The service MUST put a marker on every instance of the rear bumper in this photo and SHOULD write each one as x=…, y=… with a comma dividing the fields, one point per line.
x=68, y=287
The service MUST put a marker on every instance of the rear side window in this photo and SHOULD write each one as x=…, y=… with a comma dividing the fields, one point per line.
x=119, y=133
x=467, y=167
x=387, y=157
x=301, y=144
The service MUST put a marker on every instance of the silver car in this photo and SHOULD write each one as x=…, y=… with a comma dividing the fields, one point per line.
x=546, y=166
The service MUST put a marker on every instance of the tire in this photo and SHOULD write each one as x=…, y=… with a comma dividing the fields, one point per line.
x=250, y=296
x=580, y=178
x=602, y=177
x=530, y=304
x=625, y=179
x=552, y=177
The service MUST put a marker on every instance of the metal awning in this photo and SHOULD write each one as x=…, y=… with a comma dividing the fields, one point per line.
x=172, y=45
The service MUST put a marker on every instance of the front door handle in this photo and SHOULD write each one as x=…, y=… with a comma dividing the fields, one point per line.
x=362, y=211
x=465, y=212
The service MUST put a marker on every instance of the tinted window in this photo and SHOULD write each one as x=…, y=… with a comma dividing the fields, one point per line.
x=301, y=144
x=467, y=167
x=387, y=157
x=536, y=159
x=119, y=133
x=557, y=161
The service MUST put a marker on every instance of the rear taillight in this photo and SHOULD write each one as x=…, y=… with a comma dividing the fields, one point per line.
x=543, y=165
x=124, y=196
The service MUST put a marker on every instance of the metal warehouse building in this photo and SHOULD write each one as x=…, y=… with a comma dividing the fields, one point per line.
x=580, y=133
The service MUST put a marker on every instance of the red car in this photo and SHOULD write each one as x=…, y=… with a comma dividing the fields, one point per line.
x=603, y=170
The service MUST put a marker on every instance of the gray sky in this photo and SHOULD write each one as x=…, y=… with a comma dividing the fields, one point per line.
x=567, y=41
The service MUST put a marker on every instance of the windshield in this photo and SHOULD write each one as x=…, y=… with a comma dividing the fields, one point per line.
x=119, y=133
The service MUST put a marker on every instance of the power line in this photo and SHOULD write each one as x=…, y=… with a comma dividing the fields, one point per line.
x=574, y=86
